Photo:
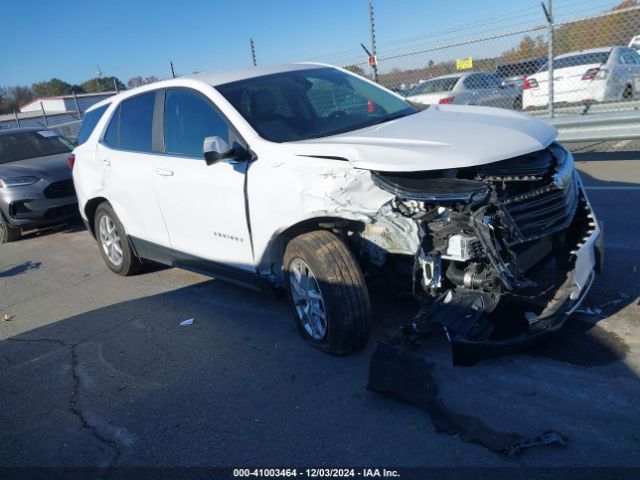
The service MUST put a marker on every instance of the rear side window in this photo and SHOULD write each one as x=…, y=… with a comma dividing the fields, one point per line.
x=89, y=123
x=578, y=60
x=131, y=125
x=188, y=119
x=434, y=86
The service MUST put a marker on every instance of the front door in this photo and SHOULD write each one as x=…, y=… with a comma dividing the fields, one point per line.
x=203, y=205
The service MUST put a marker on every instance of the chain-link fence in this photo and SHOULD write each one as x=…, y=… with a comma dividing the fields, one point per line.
x=595, y=64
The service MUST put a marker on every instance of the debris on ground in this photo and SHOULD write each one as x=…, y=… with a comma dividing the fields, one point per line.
x=186, y=322
x=401, y=375
x=7, y=318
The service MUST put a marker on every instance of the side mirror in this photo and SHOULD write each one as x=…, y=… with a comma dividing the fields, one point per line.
x=216, y=149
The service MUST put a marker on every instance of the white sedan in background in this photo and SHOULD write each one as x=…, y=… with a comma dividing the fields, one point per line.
x=606, y=74
x=473, y=88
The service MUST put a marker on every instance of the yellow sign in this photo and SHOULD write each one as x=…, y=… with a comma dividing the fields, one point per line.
x=464, y=63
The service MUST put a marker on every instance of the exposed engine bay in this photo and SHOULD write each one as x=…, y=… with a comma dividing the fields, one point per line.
x=506, y=250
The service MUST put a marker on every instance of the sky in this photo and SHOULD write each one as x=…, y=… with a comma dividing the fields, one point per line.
x=66, y=39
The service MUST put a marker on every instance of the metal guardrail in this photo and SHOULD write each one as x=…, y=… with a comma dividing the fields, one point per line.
x=597, y=127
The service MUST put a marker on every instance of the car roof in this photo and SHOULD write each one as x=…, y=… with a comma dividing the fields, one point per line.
x=526, y=60
x=581, y=52
x=214, y=78
x=9, y=131
x=451, y=75
x=220, y=77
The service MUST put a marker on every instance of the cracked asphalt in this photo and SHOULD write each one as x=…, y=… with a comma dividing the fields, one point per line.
x=96, y=371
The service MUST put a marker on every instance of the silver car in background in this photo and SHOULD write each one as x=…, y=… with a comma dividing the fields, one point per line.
x=36, y=187
x=472, y=88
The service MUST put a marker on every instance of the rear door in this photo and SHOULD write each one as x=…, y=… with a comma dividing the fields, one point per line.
x=203, y=205
x=569, y=72
x=127, y=156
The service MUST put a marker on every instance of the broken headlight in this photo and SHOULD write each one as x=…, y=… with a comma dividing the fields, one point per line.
x=565, y=167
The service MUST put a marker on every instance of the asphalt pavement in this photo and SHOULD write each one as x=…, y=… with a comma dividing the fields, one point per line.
x=95, y=369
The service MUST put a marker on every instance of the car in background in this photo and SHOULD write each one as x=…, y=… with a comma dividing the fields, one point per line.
x=513, y=74
x=36, y=187
x=598, y=75
x=635, y=43
x=472, y=88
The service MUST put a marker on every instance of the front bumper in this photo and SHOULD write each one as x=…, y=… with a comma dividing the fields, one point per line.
x=587, y=260
x=39, y=204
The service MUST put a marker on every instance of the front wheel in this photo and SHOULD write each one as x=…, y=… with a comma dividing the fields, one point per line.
x=7, y=232
x=327, y=293
x=113, y=242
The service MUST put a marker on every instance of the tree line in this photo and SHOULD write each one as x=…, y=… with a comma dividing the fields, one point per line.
x=12, y=98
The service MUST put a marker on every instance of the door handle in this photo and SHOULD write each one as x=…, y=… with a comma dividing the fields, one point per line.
x=164, y=172
x=106, y=162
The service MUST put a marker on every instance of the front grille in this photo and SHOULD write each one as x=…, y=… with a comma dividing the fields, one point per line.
x=60, y=189
x=530, y=167
x=542, y=211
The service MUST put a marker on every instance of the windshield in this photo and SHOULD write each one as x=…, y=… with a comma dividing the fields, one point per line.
x=22, y=145
x=578, y=60
x=434, y=86
x=311, y=103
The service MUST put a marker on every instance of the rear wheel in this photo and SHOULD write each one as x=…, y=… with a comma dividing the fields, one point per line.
x=517, y=103
x=113, y=242
x=7, y=232
x=327, y=293
x=627, y=94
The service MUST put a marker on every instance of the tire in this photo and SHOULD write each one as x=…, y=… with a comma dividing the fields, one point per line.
x=7, y=232
x=517, y=104
x=113, y=242
x=627, y=93
x=332, y=272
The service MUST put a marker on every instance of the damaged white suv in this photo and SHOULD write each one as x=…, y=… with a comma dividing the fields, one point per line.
x=311, y=178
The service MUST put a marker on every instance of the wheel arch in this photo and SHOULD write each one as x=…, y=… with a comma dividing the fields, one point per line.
x=90, y=211
x=270, y=263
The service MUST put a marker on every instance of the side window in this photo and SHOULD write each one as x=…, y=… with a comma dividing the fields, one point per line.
x=189, y=118
x=136, y=120
x=112, y=137
x=629, y=57
x=89, y=123
x=130, y=125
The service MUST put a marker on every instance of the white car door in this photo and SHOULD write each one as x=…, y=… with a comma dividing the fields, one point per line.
x=126, y=155
x=203, y=205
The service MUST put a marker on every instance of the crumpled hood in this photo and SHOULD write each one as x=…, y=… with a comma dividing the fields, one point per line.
x=440, y=137
x=49, y=167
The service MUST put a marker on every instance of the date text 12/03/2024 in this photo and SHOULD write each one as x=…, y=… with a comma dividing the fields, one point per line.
x=317, y=472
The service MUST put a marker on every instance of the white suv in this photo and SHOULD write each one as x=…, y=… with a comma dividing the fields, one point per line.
x=311, y=178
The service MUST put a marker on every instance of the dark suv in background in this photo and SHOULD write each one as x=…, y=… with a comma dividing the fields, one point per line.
x=513, y=74
x=36, y=187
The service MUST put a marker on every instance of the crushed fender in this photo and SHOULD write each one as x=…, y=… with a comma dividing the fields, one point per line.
x=406, y=377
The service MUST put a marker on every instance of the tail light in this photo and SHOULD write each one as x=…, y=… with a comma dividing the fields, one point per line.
x=446, y=100
x=71, y=160
x=530, y=83
x=595, y=74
